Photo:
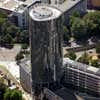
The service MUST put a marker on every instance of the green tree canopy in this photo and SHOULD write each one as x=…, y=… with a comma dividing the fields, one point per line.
x=78, y=29
x=3, y=14
x=7, y=94
x=2, y=88
x=19, y=56
x=12, y=30
x=24, y=46
x=13, y=95
x=16, y=95
x=95, y=63
x=8, y=39
x=98, y=48
x=65, y=33
x=92, y=20
x=71, y=55
x=84, y=58
x=23, y=37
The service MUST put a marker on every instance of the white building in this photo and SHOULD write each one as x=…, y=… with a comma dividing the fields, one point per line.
x=82, y=76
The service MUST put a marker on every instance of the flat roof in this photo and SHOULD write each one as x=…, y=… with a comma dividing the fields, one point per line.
x=13, y=5
x=9, y=4
x=81, y=66
x=67, y=4
x=44, y=12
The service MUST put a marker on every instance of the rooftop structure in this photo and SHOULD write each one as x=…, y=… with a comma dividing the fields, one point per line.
x=43, y=13
x=15, y=5
x=67, y=4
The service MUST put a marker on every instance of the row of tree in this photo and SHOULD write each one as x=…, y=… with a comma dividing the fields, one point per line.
x=85, y=58
x=83, y=27
x=9, y=33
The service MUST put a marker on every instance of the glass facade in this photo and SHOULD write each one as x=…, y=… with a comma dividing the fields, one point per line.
x=46, y=50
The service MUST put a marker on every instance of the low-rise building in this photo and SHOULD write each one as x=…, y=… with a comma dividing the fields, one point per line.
x=82, y=75
x=71, y=6
x=25, y=74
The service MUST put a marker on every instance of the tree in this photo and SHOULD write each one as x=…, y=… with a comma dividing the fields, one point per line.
x=90, y=27
x=98, y=48
x=84, y=58
x=23, y=37
x=95, y=63
x=3, y=14
x=13, y=95
x=93, y=22
x=7, y=39
x=75, y=14
x=12, y=30
x=2, y=85
x=78, y=29
x=2, y=88
x=65, y=33
x=2, y=21
x=19, y=56
x=16, y=95
x=24, y=46
x=4, y=27
x=71, y=55
x=7, y=94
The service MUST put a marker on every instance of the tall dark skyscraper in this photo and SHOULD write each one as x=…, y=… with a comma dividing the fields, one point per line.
x=46, y=43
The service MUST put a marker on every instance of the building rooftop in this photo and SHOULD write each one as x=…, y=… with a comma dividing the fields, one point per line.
x=67, y=5
x=15, y=5
x=44, y=12
x=91, y=70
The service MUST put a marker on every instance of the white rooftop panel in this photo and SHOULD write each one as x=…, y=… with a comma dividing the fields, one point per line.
x=94, y=69
x=44, y=12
